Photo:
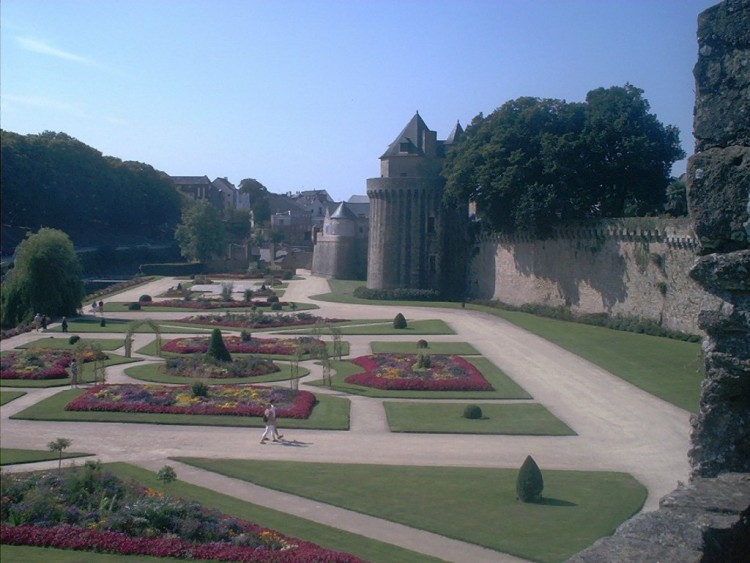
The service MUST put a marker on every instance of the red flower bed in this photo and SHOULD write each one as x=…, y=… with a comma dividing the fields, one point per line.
x=233, y=400
x=202, y=304
x=238, y=320
x=397, y=372
x=235, y=345
x=66, y=536
x=39, y=364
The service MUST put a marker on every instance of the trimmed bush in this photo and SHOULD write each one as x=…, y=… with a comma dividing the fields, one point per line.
x=473, y=412
x=134, y=306
x=276, y=306
x=199, y=389
x=217, y=349
x=73, y=339
x=103, y=322
x=248, y=295
x=273, y=299
x=246, y=336
x=424, y=361
x=145, y=298
x=287, y=275
x=397, y=294
x=529, y=484
x=399, y=321
x=422, y=344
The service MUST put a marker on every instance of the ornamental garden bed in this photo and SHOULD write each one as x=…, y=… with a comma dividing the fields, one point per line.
x=197, y=367
x=236, y=345
x=400, y=372
x=90, y=509
x=258, y=321
x=229, y=400
x=41, y=364
x=209, y=304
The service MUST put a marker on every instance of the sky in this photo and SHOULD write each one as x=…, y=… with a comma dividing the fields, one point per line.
x=308, y=94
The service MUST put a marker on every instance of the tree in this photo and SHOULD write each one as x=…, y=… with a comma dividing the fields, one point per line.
x=217, y=349
x=201, y=233
x=529, y=483
x=58, y=446
x=46, y=279
x=534, y=163
x=259, y=200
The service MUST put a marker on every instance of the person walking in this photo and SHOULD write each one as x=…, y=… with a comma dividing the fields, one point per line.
x=64, y=324
x=37, y=321
x=74, y=373
x=269, y=416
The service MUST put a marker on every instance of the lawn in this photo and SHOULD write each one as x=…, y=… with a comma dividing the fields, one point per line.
x=476, y=505
x=93, y=324
x=504, y=386
x=446, y=348
x=416, y=328
x=85, y=374
x=669, y=369
x=330, y=413
x=61, y=343
x=342, y=291
x=12, y=456
x=153, y=373
x=8, y=396
x=325, y=536
x=150, y=350
x=528, y=419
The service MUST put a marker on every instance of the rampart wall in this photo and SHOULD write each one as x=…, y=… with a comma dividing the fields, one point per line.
x=631, y=267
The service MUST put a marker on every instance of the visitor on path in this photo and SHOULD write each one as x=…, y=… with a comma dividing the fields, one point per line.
x=37, y=321
x=64, y=324
x=93, y=307
x=101, y=307
x=44, y=322
x=74, y=373
x=269, y=416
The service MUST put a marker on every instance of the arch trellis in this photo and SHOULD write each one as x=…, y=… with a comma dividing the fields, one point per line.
x=135, y=325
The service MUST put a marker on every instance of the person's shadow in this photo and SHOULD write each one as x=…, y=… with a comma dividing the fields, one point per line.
x=294, y=443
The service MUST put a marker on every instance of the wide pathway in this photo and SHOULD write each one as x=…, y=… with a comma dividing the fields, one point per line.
x=618, y=426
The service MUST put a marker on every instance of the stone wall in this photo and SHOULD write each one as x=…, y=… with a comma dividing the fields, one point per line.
x=632, y=268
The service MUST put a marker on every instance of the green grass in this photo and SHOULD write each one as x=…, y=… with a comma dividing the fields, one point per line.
x=122, y=307
x=447, y=348
x=92, y=324
x=8, y=396
x=85, y=374
x=325, y=536
x=61, y=343
x=12, y=456
x=416, y=328
x=476, y=505
x=153, y=373
x=342, y=291
x=504, y=387
x=150, y=350
x=669, y=369
x=529, y=419
x=330, y=413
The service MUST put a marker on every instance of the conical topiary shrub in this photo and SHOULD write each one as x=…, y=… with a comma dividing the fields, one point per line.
x=217, y=349
x=399, y=321
x=529, y=484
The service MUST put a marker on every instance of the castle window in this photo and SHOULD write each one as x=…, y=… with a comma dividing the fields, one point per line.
x=403, y=147
x=433, y=263
x=430, y=225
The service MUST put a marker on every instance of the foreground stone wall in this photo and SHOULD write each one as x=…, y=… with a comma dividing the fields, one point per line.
x=632, y=268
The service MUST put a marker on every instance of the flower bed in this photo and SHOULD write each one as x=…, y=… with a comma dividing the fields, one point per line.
x=398, y=372
x=197, y=368
x=90, y=509
x=208, y=304
x=239, y=320
x=234, y=400
x=40, y=363
x=235, y=345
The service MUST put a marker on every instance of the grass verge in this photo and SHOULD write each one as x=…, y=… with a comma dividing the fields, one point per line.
x=8, y=396
x=447, y=348
x=416, y=328
x=528, y=419
x=476, y=505
x=153, y=373
x=13, y=456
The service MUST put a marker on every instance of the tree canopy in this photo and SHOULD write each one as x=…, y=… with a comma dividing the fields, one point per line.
x=259, y=201
x=54, y=180
x=45, y=279
x=201, y=233
x=535, y=162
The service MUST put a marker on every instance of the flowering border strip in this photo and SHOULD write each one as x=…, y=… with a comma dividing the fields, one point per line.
x=66, y=536
x=248, y=400
x=199, y=304
x=214, y=321
x=235, y=345
x=58, y=361
x=395, y=372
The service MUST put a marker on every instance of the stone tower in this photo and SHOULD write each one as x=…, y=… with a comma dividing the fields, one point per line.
x=411, y=232
x=341, y=248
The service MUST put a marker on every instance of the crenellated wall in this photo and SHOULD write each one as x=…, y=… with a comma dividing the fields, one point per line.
x=623, y=267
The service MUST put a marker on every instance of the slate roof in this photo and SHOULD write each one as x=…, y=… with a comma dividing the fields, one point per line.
x=412, y=136
x=344, y=212
x=190, y=180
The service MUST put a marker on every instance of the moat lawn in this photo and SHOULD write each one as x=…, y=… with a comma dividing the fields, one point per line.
x=475, y=505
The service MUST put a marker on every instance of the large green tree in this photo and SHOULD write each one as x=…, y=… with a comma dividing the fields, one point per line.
x=259, y=201
x=534, y=163
x=201, y=234
x=45, y=279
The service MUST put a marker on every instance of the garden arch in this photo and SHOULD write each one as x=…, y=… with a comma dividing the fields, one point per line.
x=135, y=325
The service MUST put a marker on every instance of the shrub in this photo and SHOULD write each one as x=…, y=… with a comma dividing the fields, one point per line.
x=199, y=389
x=399, y=321
x=273, y=299
x=134, y=306
x=276, y=306
x=246, y=336
x=422, y=344
x=287, y=275
x=529, y=484
x=217, y=349
x=145, y=298
x=424, y=361
x=248, y=295
x=473, y=412
x=167, y=474
x=73, y=339
x=397, y=294
x=103, y=322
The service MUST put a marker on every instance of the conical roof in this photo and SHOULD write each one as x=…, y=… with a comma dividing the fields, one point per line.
x=411, y=138
x=343, y=212
x=455, y=135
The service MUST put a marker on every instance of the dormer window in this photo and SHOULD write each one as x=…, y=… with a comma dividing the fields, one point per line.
x=403, y=147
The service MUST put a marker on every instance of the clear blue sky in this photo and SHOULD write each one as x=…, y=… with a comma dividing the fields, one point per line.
x=307, y=94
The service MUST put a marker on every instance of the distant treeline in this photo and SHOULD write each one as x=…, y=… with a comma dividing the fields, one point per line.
x=54, y=180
